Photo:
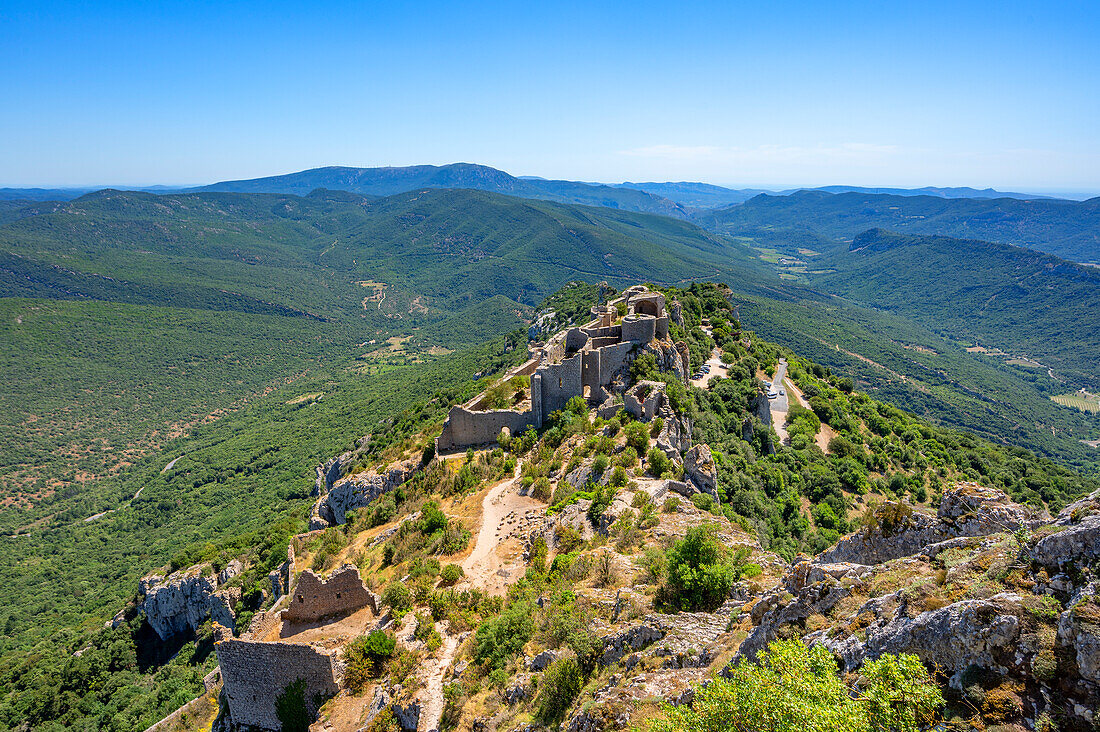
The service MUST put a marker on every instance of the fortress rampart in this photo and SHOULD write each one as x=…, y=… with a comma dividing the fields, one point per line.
x=256, y=673
x=314, y=598
x=575, y=362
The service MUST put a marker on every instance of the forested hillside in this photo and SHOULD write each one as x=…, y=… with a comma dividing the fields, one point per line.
x=1018, y=300
x=1066, y=229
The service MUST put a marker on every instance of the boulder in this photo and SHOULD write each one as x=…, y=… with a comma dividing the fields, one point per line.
x=542, y=660
x=407, y=715
x=1075, y=543
x=519, y=690
x=701, y=470
x=230, y=570
x=616, y=645
x=1079, y=630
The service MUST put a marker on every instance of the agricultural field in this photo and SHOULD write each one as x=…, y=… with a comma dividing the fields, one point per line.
x=1083, y=400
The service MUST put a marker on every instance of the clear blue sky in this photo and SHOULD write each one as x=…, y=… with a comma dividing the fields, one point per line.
x=1002, y=94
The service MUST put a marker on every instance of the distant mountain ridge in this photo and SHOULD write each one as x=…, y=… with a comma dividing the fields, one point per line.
x=389, y=181
x=948, y=192
x=1016, y=299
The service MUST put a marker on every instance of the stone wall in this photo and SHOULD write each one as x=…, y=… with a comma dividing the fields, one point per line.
x=639, y=328
x=560, y=382
x=255, y=673
x=465, y=427
x=314, y=598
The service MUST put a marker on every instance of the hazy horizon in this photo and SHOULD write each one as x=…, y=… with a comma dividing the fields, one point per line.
x=1068, y=193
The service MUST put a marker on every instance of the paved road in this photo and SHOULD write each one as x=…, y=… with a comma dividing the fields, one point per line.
x=779, y=404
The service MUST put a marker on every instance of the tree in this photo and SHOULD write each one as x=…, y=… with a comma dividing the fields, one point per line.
x=697, y=575
x=793, y=688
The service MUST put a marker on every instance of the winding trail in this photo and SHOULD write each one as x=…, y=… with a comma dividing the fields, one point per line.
x=431, y=698
x=485, y=569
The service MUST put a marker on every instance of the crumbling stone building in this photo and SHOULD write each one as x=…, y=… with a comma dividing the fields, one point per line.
x=576, y=362
x=257, y=673
x=314, y=598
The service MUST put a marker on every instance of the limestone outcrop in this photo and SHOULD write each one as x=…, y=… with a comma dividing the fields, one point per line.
x=1080, y=542
x=184, y=600
x=357, y=491
x=701, y=470
x=985, y=589
x=966, y=510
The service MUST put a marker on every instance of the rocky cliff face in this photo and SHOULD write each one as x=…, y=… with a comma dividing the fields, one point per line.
x=357, y=491
x=967, y=510
x=996, y=598
x=184, y=600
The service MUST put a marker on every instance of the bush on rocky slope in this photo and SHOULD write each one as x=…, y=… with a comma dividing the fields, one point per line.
x=793, y=687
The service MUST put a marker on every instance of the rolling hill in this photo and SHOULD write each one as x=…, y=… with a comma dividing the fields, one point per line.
x=1066, y=229
x=276, y=286
x=389, y=181
x=1018, y=300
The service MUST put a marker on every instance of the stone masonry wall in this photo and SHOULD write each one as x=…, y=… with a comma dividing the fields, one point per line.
x=255, y=673
x=314, y=598
x=560, y=382
x=464, y=427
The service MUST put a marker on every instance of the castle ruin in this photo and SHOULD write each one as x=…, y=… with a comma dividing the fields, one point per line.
x=257, y=673
x=577, y=362
x=314, y=598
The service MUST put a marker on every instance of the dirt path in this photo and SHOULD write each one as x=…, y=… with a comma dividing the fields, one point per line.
x=494, y=558
x=431, y=698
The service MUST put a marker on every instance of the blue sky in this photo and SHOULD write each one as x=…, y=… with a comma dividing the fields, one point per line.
x=1000, y=94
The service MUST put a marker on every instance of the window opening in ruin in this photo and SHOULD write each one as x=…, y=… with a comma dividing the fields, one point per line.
x=559, y=382
x=301, y=599
x=337, y=595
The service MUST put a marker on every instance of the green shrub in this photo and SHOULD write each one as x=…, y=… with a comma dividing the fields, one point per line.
x=703, y=501
x=637, y=437
x=431, y=518
x=398, y=596
x=795, y=689
x=697, y=576
x=505, y=635
x=366, y=658
x=558, y=687
x=657, y=462
x=450, y=574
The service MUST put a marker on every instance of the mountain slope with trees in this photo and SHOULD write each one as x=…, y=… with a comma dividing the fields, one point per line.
x=388, y=181
x=1066, y=229
x=1018, y=300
